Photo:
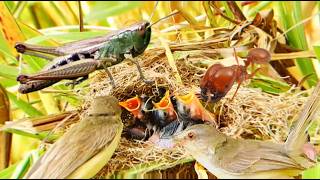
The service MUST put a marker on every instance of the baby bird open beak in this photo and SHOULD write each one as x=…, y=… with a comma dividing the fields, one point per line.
x=193, y=106
x=166, y=105
x=133, y=105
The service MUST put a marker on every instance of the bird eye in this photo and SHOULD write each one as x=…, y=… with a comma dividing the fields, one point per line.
x=191, y=135
x=212, y=97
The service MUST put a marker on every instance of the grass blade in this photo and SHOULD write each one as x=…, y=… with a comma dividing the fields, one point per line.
x=260, y=6
x=312, y=173
x=24, y=165
x=7, y=173
x=290, y=15
x=102, y=10
x=25, y=106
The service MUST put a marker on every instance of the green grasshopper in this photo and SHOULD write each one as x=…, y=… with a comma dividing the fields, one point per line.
x=76, y=60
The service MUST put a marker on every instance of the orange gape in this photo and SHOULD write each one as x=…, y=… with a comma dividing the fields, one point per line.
x=133, y=105
x=192, y=105
x=166, y=105
x=218, y=79
x=165, y=117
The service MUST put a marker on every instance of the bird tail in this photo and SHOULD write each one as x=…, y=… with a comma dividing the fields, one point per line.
x=298, y=135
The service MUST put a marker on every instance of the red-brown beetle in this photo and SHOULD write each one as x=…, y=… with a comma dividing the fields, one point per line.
x=219, y=79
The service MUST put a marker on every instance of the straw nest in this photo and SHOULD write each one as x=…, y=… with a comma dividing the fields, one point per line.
x=252, y=114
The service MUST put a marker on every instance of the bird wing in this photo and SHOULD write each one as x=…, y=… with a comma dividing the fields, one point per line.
x=76, y=147
x=298, y=135
x=246, y=156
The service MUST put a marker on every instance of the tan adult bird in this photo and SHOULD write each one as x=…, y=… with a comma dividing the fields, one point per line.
x=226, y=157
x=84, y=149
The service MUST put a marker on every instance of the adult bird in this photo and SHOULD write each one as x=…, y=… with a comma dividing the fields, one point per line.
x=226, y=157
x=86, y=147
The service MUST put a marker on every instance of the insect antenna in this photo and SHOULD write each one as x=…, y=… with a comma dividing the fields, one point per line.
x=154, y=9
x=172, y=14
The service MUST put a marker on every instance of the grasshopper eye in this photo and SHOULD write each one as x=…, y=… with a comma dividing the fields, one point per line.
x=141, y=28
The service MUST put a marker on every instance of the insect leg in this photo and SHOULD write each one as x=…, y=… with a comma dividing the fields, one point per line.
x=239, y=83
x=238, y=73
x=105, y=63
x=23, y=48
x=139, y=69
x=253, y=73
x=36, y=85
x=71, y=70
x=111, y=77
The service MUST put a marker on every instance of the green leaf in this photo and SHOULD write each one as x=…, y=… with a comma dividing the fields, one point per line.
x=269, y=85
x=10, y=5
x=290, y=15
x=64, y=37
x=25, y=106
x=7, y=173
x=227, y=9
x=9, y=72
x=21, y=168
x=7, y=82
x=102, y=10
x=312, y=173
x=26, y=163
x=260, y=6
x=317, y=51
x=35, y=63
x=36, y=135
x=30, y=32
x=140, y=169
x=5, y=52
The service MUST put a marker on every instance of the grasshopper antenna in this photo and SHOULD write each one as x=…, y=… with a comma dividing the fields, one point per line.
x=172, y=14
x=154, y=9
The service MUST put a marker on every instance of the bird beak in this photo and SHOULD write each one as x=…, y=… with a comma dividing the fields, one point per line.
x=187, y=99
x=166, y=105
x=133, y=105
x=196, y=109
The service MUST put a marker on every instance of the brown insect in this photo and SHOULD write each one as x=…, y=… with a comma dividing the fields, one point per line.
x=219, y=79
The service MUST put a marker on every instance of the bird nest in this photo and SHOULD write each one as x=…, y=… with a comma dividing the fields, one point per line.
x=252, y=114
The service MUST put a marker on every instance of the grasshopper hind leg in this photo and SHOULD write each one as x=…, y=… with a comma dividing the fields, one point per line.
x=35, y=85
